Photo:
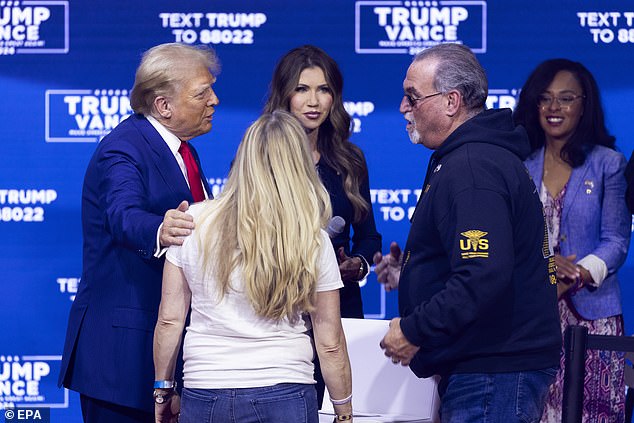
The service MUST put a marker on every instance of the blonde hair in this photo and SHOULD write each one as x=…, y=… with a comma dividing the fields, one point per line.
x=267, y=220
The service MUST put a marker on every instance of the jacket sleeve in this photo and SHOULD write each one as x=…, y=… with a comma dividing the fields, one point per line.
x=478, y=237
x=125, y=195
x=616, y=220
x=629, y=178
x=365, y=239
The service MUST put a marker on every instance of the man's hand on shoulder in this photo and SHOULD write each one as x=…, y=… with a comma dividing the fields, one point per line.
x=177, y=224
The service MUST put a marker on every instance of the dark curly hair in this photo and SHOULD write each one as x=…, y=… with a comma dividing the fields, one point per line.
x=591, y=129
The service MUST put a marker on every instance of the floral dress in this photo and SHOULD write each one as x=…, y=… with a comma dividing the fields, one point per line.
x=604, y=385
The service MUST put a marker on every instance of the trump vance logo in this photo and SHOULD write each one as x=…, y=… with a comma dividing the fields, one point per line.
x=475, y=245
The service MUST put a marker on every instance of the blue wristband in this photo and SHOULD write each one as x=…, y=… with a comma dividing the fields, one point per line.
x=164, y=384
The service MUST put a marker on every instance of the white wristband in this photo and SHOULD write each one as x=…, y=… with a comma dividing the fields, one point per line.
x=341, y=401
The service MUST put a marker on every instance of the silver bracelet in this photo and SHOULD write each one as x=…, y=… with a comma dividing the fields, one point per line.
x=341, y=401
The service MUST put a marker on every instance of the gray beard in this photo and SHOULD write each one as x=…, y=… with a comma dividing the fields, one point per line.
x=414, y=136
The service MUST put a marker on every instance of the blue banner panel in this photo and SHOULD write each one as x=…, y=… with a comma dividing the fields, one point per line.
x=67, y=67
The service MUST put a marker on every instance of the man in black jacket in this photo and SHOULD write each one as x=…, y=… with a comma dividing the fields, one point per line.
x=477, y=293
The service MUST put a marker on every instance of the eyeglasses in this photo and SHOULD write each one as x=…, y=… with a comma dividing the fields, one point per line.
x=564, y=101
x=413, y=100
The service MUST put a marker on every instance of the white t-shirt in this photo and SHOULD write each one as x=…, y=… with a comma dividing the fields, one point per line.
x=227, y=345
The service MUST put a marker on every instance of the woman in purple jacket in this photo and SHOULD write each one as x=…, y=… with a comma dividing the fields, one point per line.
x=580, y=178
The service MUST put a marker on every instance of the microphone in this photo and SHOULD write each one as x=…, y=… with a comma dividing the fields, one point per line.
x=335, y=226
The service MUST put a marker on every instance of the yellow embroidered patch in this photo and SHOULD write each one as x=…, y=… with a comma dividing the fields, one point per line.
x=546, y=250
x=476, y=245
x=552, y=270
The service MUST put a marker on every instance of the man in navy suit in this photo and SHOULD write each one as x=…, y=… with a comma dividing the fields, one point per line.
x=136, y=192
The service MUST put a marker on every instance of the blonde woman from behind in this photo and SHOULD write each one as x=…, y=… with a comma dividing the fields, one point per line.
x=257, y=264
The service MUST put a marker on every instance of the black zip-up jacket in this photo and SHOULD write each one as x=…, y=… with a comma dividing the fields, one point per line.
x=477, y=290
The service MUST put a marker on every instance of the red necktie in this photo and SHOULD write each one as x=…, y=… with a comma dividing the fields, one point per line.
x=193, y=175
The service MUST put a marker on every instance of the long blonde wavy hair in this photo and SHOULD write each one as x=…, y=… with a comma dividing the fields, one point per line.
x=266, y=222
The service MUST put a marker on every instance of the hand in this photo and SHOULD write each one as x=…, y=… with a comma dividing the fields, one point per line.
x=388, y=267
x=168, y=411
x=563, y=287
x=586, y=277
x=396, y=346
x=348, y=266
x=567, y=270
x=569, y=275
x=176, y=226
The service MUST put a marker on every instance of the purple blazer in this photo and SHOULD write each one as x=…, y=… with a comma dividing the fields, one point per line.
x=595, y=221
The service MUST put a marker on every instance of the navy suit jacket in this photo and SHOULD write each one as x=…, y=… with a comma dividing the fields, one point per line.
x=595, y=221
x=131, y=181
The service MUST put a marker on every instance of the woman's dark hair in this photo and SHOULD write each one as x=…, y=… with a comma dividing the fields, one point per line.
x=591, y=129
x=333, y=140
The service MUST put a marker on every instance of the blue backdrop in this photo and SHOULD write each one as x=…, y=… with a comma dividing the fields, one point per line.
x=66, y=67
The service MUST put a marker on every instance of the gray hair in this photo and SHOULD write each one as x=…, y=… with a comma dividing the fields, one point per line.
x=164, y=68
x=458, y=69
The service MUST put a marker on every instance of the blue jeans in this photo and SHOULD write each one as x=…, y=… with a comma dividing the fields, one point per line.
x=285, y=402
x=494, y=397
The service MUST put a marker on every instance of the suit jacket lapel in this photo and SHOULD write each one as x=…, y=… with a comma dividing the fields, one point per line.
x=575, y=185
x=164, y=159
x=535, y=167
